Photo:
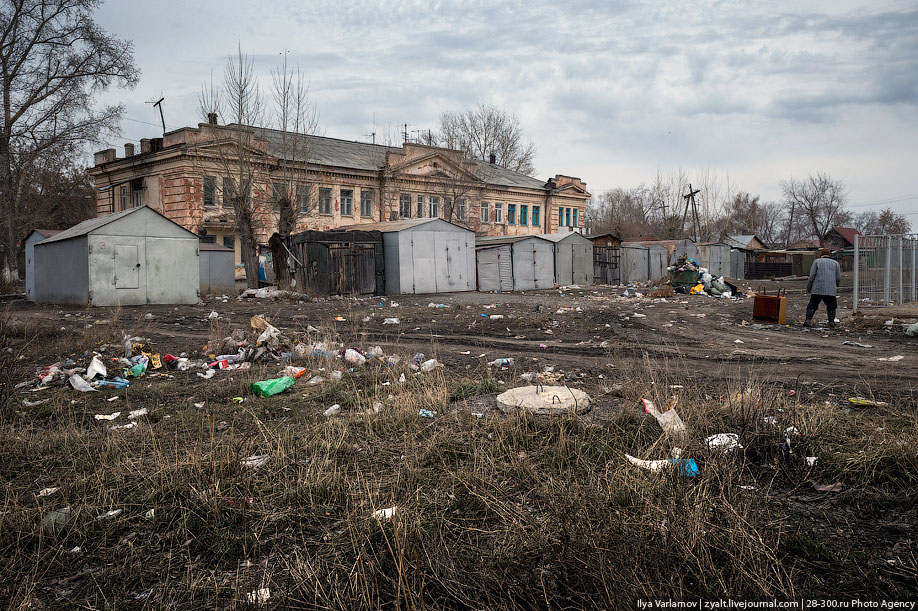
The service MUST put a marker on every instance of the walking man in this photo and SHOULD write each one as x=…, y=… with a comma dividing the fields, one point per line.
x=825, y=276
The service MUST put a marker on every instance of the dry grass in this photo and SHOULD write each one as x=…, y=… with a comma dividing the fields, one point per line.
x=503, y=512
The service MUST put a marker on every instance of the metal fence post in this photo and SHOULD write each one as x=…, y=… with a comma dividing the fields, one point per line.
x=887, y=270
x=857, y=270
x=914, y=251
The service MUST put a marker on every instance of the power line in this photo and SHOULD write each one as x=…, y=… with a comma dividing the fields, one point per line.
x=881, y=202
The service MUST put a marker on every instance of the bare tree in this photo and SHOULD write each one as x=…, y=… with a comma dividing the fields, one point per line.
x=53, y=60
x=819, y=199
x=887, y=221
x=485, y=131
x=458, y=188
x=233, y=149
x=628, y=214
x=297, y=118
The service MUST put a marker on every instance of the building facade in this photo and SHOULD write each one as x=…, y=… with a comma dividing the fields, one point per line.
x=191, y=174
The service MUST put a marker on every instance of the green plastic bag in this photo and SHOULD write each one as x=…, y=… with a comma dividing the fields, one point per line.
x=136, y=371
x=269, y=388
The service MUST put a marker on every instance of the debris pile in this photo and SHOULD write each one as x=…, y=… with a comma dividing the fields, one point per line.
x=687, y=276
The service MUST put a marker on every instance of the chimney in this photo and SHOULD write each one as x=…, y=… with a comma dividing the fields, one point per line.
x=493, y=159
x=144, y=145
x=104, y=156
x=156, y=145
x=212, y=118
x=128, y=149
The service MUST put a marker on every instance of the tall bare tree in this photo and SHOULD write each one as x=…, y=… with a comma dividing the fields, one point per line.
x=887, y=221
x=485, y=131
x=234, y=149
x=297, y=118
x=819, y=199
x=54, y=59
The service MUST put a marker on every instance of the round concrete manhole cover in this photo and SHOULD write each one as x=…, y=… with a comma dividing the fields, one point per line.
x=544, y=400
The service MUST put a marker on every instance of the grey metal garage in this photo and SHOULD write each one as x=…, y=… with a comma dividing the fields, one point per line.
x=515, y=263
x=573, y=258
x=425, y=255
x=134, y=257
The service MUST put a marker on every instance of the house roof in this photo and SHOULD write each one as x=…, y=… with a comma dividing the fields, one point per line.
x=742, y=240
x=596, y=236
x=390, y=226
x=497, y=240
x=212, y=246
x=91, y=225
x=847, y=233
x=557, y=237
x=365, y=156
x=46, y=233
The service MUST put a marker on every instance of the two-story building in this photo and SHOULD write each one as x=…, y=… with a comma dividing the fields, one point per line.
x=189, y=175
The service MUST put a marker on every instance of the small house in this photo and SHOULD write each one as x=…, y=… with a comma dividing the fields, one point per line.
x=133, y=257
x=426, y=255
x=514, y=263
x=745, y=241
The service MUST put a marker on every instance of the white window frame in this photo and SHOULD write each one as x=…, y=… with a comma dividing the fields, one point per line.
x=433, y=206
x=350, y=201
x=404, y=205
x=325, y=201
x=460, y=209
x=498, y=213
x=302, y=203
x=420, y=212
x=485, y=214
x=366, y=203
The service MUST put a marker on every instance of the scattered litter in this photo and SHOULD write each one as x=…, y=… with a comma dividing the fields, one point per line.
x=202, y=403
x=738, y=341
x=137, y=413
x=506, y=362
x=256, y=461
x=108, y=515
x=207, y=374
x=28, y=403
x=115, y=398
x=863, y=402
x=384, y=514
x=80, y=384
x=496, y=317
x=669, y=420
x=724, y=442
x=429, y=365
x=638, y=315
x=119, y=427
x=892, y=359
x=436, y=305
x=96, y=368
x=811, y=461
x=333, y=410
x=391, y=321
x=150, y=514
x=269, y=388
x=912, y=330
x=54, y=521
x=687, y=466
x=354, y=357
x=259, y=596
x=213, y=315
x=294, y=372
x=426, y=413
x=836, y=487
x=107, y=417
x=340, y=319
x=47, y=491
x=856, y=344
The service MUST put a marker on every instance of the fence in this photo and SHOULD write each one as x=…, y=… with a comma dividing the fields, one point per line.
x=885, y=269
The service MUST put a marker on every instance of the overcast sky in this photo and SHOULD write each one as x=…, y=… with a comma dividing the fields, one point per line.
x=608, y=91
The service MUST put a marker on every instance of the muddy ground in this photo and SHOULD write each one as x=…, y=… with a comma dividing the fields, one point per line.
x=711, y=341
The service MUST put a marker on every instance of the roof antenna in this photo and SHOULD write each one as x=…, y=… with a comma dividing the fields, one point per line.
x=159, y=103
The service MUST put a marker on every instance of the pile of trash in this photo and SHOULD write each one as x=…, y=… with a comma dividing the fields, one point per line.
x=687, y=276
x=238, y=351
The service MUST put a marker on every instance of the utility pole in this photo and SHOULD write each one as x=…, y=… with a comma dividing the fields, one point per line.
x=690, y=201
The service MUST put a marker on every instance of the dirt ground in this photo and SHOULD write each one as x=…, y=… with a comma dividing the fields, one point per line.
x=222, y=529
x=692, y=337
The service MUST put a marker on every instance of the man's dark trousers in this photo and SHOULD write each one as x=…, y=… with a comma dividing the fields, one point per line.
x=831, y=305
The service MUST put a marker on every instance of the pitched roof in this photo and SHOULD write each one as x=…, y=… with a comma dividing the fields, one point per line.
x=395, y=225
x=847, y=232
x=742, y=240
x=497, y=240
x=47, y=233
x=596, y=236
x=90, y=225
x=334, y=152
x=557, y=237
